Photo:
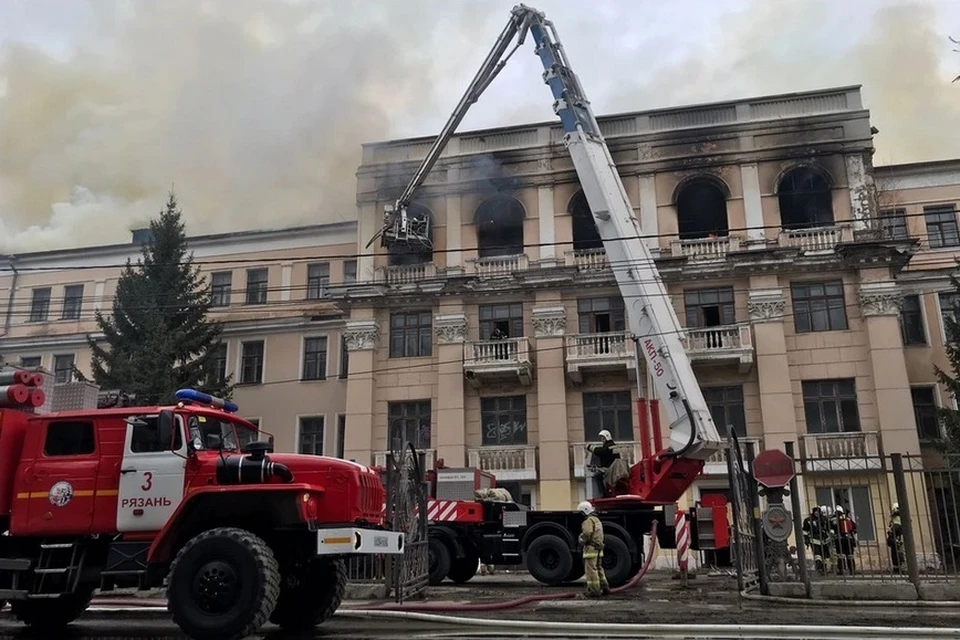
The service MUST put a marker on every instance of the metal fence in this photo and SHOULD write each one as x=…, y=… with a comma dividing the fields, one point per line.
x=889, y=518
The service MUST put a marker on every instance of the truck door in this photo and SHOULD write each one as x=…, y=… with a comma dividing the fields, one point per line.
x=151, y=475
x=62, y=481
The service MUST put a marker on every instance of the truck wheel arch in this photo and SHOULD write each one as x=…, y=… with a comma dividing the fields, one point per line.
x=238, y=503
x=449, y=537
x=620, y=532
x=543, y=528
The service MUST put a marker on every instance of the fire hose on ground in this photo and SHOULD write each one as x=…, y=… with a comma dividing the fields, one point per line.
x=508, y=604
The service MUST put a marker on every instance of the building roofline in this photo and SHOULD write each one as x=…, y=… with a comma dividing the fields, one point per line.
x=625, y=114
x=202, y=240
x=923, y=165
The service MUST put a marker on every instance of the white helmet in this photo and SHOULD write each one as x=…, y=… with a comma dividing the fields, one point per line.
x=839, y=509
x=585, y=508
x=605, y=435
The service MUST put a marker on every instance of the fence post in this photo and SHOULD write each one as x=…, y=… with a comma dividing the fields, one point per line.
x=738, y=543
x=906, y=521
x=798, y=523
x=754, y=503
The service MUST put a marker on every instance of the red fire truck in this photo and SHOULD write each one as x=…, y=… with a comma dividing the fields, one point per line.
x=185, y=494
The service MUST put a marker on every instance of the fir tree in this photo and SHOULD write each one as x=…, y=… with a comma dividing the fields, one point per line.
x=950, y=418
x=158, y=338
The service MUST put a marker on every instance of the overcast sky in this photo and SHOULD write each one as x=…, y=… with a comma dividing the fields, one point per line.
x=255, y=110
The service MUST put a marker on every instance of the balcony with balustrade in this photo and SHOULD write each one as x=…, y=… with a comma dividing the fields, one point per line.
x=406, y=275
x=629, y=453
x=506, y=462
x=816, y=240
x=587, y=260
x=498, y=266
x=722, y=345
x=491, y=361
x=600, y=353
x=848, y=451
x=705, y=249
x=430, y=457
x=716, y=465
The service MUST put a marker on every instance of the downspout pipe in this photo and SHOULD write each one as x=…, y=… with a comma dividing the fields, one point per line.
x=11, y=261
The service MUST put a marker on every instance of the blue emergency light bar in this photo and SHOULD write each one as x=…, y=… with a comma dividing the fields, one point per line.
x=192, y=395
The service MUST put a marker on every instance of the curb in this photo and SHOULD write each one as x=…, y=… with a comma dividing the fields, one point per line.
x=808, y=602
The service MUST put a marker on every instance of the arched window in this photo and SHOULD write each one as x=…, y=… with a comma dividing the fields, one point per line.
x=702, y=208
x=401, y=254
x=805, y=198
x=499, y=223
x=585, y=234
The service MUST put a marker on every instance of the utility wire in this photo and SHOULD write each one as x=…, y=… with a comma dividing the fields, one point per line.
x=436, y=279
x=353, y=256
x=23, y=308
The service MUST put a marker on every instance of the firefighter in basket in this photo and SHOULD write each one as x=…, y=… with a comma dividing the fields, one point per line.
x=610, y=467
x=591, y=541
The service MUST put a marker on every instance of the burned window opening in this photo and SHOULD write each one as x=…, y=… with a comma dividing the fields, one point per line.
x=413, y=253
x=805, y=199
x=499, y=223
x=701, y=210
x=585, y=234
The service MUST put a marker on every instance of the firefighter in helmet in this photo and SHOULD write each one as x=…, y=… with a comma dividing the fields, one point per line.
x=816, y=536
x=604, y=455
x=591, y=541
x=895, y=539
x=845, y=529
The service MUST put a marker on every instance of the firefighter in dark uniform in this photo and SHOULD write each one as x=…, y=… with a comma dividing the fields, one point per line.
x=603, y=456
x=845, y=530
x=895, y=539
x=816, y=536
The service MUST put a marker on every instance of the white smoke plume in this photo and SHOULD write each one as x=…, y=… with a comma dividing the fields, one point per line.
x=255, y=110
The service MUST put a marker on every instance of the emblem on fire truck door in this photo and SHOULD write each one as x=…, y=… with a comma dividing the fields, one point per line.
x=61, y=494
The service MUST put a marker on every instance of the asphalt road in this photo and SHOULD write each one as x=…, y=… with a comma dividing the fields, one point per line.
x=146, y=627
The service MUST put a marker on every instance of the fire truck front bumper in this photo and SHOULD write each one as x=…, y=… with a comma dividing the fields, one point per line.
x=357, y=541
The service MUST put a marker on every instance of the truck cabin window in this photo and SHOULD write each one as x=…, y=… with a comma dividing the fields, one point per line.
x=69, y=438
x=148, y=439
x=207, y=433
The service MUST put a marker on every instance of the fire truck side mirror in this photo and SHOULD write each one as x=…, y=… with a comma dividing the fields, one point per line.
x=165, y=425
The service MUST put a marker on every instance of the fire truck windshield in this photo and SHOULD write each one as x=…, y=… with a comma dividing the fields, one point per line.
x=211, y=433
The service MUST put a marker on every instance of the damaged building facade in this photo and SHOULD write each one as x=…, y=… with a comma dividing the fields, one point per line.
x=503, y=346
x=811, y=287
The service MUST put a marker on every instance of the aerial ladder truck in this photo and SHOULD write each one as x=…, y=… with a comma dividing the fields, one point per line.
x=469, y=532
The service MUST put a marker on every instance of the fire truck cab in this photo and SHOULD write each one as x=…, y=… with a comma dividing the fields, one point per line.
x=190, y=495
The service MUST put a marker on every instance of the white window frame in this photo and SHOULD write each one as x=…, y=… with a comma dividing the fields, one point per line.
x=53, y=364
x=296, y=431
x=239, y=360
x=336, y=438
x=303, y=356
x=924, y=320
x=937, y=401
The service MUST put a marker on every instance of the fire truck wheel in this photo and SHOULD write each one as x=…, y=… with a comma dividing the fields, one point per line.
x=310, y=594
x=52, y=614
x=463, y=569
x=576, y=572
x=616, y=561
x=549, y=559
x=224, y=584
x=440, y=560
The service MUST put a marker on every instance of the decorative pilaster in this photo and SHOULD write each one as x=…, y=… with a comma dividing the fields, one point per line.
x=549, y=322
x=451, y=328
x=880, y=299
x=860, y=187
x=362, y=335
x=766, y=305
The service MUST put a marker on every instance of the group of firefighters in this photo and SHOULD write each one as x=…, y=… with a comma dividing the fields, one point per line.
x=833, y=538
x=825, y=535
